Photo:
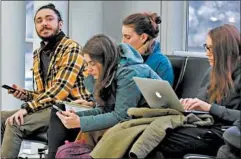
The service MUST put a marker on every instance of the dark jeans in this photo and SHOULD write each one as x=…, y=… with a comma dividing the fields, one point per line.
x=57, y=133
x=181, y=141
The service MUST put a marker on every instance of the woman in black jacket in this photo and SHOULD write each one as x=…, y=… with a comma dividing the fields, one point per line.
x=219, y=95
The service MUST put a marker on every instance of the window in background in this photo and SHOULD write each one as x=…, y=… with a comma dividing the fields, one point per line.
x=205, y=15
x=29, y=44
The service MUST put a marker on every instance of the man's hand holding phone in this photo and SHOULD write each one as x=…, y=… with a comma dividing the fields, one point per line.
x=16, y=91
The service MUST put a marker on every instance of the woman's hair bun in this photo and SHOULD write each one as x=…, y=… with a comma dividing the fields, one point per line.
x=51, y=5
x=158, y=20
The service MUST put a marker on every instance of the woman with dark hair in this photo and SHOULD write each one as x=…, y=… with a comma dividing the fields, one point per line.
x=113, y=68
x=140, y=30
x=220, y=95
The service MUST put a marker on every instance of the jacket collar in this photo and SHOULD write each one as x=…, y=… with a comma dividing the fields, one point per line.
x=53, y=42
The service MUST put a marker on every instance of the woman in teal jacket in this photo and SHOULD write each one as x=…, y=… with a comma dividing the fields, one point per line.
x=113, y=68
x=140, y=30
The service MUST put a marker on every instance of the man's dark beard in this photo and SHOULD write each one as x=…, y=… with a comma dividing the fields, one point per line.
x=49, y=38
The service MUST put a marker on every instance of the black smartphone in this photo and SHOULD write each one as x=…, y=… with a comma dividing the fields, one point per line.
x=12, y=90
x=57, y=108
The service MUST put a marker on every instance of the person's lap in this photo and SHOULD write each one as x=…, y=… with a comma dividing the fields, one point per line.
x=181, y=141
x=13, y=135
x=57, y=133
x=4, y=116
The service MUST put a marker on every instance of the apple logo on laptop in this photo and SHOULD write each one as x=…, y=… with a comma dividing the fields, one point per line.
x=158, y=95
x=163, y=101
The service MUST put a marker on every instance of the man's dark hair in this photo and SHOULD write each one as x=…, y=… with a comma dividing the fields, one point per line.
x=52, y=7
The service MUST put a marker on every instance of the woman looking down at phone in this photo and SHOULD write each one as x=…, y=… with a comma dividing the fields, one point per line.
x=113, y=68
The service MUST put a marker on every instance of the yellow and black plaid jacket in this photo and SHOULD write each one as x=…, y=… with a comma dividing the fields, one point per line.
x=64, y=77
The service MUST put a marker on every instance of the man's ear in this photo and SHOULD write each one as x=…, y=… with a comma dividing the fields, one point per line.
x=60, y=25
x=144, y=37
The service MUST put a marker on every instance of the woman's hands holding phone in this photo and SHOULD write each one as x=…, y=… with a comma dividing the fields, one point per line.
x=69, y=119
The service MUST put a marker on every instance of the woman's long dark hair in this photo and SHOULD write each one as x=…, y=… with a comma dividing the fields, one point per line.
x=103, y=50
x=226, y=53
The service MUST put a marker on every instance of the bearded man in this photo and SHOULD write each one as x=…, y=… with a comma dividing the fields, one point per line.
x=58, y=73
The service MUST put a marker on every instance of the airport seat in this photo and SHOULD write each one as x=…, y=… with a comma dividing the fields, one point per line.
x=34, y=146
x=178, y=63
x=40, y=137
x=188, y=73
x=194, y=71
x=199, y=156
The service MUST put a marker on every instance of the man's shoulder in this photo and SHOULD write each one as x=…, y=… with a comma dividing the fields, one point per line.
x=66, y=41
x=68, y=46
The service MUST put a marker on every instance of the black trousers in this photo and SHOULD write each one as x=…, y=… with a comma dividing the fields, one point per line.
x=57, y=133
x=181, y=141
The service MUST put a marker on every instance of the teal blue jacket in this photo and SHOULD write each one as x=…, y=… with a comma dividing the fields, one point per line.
x=124, y=96
x=160, y=63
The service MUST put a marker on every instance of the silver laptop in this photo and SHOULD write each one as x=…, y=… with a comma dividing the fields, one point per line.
x=159, y=93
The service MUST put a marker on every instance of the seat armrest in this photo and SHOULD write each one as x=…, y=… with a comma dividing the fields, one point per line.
x=232, y=136
x=199, y=156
